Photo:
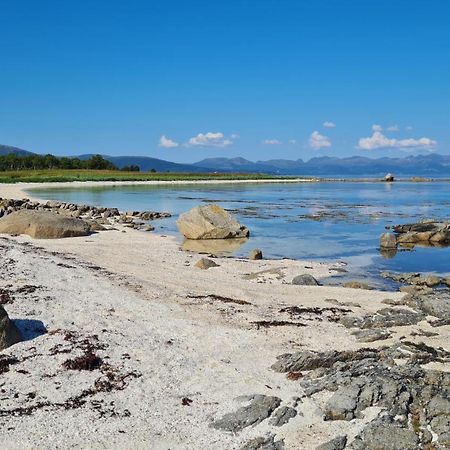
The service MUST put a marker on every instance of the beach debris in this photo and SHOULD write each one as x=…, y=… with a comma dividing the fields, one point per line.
x=9, y=333
x=210, y=222
x=305, y=280
x=206, y=263
x=255, y=254
x=259, y=408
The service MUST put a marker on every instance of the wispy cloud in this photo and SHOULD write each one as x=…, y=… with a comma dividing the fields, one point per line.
x=329, y=124
x=318, y=141
x=377, y=127
x=292, y=141
x=271, y=142
x=167, y=143
x=393, y=128
x=209, y=139
x=379, y=140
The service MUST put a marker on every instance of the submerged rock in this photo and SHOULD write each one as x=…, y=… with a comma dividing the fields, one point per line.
x=9, y=333
x=210, y=222
x=43, y=225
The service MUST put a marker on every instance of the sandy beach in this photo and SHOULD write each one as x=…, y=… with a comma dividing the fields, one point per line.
x=181, y=347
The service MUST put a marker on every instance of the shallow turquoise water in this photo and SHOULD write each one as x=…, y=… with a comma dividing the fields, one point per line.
x=327, y=221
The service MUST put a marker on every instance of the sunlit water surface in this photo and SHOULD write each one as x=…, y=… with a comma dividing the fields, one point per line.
x=338, y=221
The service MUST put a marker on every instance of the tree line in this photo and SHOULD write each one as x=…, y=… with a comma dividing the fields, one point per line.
x=12, y=161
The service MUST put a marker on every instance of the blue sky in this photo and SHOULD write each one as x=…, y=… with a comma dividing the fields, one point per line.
x=262, y=79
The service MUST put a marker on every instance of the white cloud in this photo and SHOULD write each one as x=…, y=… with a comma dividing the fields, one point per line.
x=379, y=140
x=167, y=143
x=329, y=124
x=209, y=140
x=318, y=141
x=377, y=127
x=235, y=136
x=393, y=128
x=292, y=141
x=271, y=142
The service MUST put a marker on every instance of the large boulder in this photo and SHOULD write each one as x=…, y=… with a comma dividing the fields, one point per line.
x=43, y=225
x=210, y=222
x=9, y=333
x=388, y=240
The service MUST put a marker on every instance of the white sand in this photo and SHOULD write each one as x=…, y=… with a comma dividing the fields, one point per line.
x=141, y=305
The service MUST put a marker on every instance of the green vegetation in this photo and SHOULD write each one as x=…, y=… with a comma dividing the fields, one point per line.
x=12, y=162
x=62, y=175
x=49, y=168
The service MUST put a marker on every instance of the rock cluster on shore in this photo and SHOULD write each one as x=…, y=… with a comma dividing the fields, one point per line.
x=95, y=217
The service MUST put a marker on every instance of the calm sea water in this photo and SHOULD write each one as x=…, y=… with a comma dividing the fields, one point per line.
x=338, y=221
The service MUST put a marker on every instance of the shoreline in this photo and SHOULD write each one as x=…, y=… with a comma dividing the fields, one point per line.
x=181, y=345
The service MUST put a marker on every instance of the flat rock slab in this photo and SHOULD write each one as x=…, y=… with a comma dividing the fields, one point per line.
x=259, y=409
x=43, y=225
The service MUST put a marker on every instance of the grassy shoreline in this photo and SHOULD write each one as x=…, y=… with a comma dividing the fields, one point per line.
x=59, y=175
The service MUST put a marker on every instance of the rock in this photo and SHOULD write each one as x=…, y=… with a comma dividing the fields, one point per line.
x=205, y=263
x=264, y=443
x=305, y=280
x=259, y=409
x=256, y=253
x=43, y=225
x=423, y=232
x=388, y=241
x=9, y=333
x=210, y=222
x=371, y=335
x=357, y=285
x=384, y=318
x=389, y=177
x=282, y=416
x=413, y=399
x=338, y=443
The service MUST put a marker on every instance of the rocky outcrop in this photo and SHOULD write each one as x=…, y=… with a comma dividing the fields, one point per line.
x=43, y=225
x=96, y=216
x=415, y=409
x=210, y=222
x=259, y=408
x=423, y=232
x=9, y=333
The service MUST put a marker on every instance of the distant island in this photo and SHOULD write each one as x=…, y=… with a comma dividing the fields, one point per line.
x=431, y=165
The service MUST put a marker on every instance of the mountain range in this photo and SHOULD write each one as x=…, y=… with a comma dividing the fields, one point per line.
x=419, y=165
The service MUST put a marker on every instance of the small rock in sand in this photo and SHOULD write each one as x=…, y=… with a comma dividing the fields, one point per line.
x=205, y=263
x=357, y=285
x=255, y=254
x=305, y=280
